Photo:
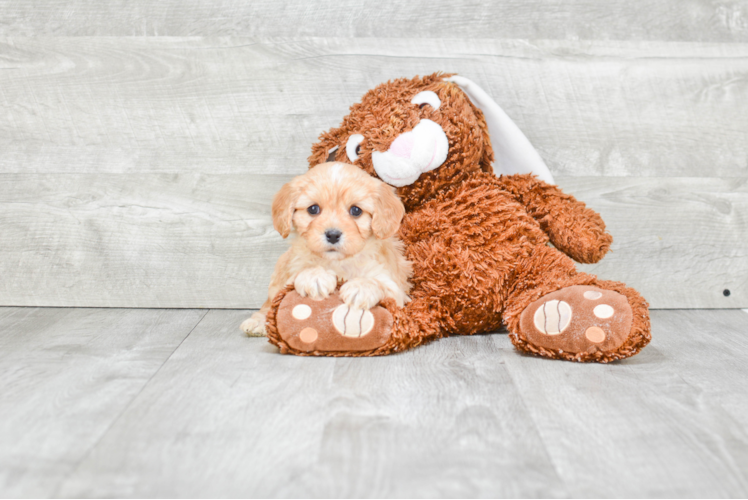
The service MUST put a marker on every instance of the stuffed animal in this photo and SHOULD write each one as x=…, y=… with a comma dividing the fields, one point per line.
x=487, y=250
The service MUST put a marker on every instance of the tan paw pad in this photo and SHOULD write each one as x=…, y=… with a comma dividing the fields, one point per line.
x=352, y=322
x=595, y=334
x=301, y=312
x=308, y=335
x=603, y=311
x=553, y=317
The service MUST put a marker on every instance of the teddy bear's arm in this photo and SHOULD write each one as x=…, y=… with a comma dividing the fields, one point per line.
x=573, y=228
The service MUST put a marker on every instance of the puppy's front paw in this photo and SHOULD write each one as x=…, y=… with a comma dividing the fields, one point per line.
x=361, y=293
x=316, y=283
x=254, y=326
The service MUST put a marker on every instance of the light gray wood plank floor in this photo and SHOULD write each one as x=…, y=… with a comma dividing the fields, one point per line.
x=67, y=375
x=125, y=402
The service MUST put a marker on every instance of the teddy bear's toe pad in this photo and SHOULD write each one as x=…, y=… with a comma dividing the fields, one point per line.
x=578, y=319
x=329, y=325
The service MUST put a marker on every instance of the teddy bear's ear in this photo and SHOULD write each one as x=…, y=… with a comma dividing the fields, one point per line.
x=327, y=147
x=512, y=150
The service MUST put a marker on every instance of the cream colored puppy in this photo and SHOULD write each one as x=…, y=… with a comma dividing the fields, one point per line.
x=342, y=224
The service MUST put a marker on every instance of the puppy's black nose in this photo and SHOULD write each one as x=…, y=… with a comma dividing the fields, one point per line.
x=333, y=235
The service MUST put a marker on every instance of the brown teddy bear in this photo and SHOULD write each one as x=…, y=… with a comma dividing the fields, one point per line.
x=479, y=243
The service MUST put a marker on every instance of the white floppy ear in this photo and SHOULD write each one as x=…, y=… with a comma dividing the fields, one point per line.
x=512, y=151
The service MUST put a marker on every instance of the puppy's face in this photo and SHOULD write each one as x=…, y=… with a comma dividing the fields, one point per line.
x=336, y=208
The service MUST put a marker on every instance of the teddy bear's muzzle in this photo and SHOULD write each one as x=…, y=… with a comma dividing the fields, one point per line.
x=412, y=153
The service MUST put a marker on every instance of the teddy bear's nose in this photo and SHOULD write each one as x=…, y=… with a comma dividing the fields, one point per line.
x=412, y=153
x=403, y=145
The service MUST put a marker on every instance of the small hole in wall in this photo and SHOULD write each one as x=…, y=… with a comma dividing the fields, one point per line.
x=726, y=292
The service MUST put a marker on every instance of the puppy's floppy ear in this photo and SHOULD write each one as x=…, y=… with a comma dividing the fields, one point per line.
x=388, y=212
x=284, y=205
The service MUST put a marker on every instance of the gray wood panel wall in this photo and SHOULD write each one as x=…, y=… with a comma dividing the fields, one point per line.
x=141, y=144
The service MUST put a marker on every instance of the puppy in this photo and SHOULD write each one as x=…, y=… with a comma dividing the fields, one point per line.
x=342, y=224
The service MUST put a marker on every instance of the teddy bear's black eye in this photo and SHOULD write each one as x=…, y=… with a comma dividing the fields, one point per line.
x=313, y=210
x=353, y=146
x=426, y=97
x=355, y=211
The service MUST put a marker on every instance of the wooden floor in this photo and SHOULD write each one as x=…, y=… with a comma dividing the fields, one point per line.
x=158, y=402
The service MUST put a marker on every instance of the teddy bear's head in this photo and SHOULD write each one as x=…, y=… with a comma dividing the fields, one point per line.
x=417, y=134
x=423, y=134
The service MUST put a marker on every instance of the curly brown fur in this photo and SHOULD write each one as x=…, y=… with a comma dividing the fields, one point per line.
x=271, y=327
x=478, y=243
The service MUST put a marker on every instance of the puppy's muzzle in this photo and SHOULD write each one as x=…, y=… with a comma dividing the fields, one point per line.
x=333, y=236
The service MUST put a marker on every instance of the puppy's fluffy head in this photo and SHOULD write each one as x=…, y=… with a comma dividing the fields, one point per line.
x=337, y=208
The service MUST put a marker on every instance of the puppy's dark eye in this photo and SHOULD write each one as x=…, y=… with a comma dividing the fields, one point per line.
x=355, y=211
x=313, y=210
x=358, y=150
x=423, y=105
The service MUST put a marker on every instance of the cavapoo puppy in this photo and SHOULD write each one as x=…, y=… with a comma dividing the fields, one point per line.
x=342, y=224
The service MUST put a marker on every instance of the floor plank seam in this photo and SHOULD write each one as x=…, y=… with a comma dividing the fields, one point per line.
x=542, y=438
x=124, y=410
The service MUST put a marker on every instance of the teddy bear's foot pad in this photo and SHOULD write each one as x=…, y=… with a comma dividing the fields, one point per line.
x=329, y=325
x=578, y=319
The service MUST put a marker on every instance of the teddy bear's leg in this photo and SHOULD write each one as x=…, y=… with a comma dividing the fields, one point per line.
x=302, y=326
x=556, y=312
